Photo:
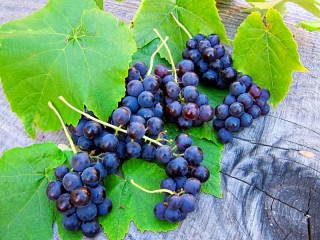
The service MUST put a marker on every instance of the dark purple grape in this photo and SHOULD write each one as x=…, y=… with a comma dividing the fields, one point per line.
x=134, y=88
x=151, y=84
x=194, y=155
x=105, y=207
x=201, y=173
x=206, y=113
x=221, y=83
x=81, y=197
x=192, y=186
x=203, y=44
x=183, y=123
x=78, y=130
x=199, y=37
x=237, y=88
x=54, y=190
x=246, y=100
x=64, y=205
x=209, y=78
x=232, y=123
x=265, y=110
x=174, y=109
x=164, y=154
x=190, y=93
x=190, y=79
x=202, y=100
x=90, y=229
x=91, y=176
x=194, y=55
x=71, y=222
x=110, y=161
x=168, y=183
x=136, y=130
x=217, y=124
x=121, y=151
x=172, y=215
x=213, y=39
x=191, y=44
x=98, y=194
x=220, y=50
x=85, y=144
x=146, y=99
x=229, y=75
x=226, y=60
x=87, y=213
x=184, y=66
x=60, y=171
x=209, y=54
x=92, y=129
x=222, y=111
x=172, y=89
x=71, y=180
x=146, y=113
x=133, y=74
x=133, y=150
x=131, y=103
x=246, y=80
x=101, y=168
x=229, y=99
x=236, y=109
x=109, y=143
x=190, y=111
x=177, y=167
x=254, y=111
x=136, y=118
x=180, y=181
x=158, y=110
x=141, y=67
x=174, y=202
x=201, y=66
x=246, y=120
x=260, y=102
x=183, y=141
x=161, y=70
x=148, y=152
x=155, y=125
x=265, y=94
x=216, y=65
x=188, y=203
x=225, y=136
x=255, y=90
x=185, y=53
x=121, y=115
x=168, y=78
x=159, y=211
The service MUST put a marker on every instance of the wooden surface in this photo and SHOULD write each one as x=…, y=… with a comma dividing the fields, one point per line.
x=270, y=190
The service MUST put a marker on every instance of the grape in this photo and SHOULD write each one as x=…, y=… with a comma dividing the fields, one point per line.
x=201, y=173
x=265, y=94
x=188, y=203
x=161, y=70
x=134, y=88
x=146, y=113
x=201, y=66
x=105, y=207
x=78, y=130
x=194, y=155
x=220, y=50
x=229, y=74
x=260, y=102
x=87, y=213
x=60, y=171
x=64, y=205
x=203, y=44
x=190, y=111
x=121, y=151
x=217, y=124
x=255, y=90
x=210, y=78
x=246, y=80
x=81, y=197
x=190, y=93
x=98, y=194
x=84, y=143
x=151, y=83
x=90, y=229
x=90, y=176
x=206, y=113
x=168, y=183
x=180, y=181
x=164, y=154
x=191, y=44
x=185, y=53
x=54, y=190
x=192, y=186
x=183, y=141
x=71, y=180
x=236, y=109
x=202, y=100
x=158, y=110
x=177, y=167
x=110, y=161
x=159, y=211
x=172, y=215
x=141, y=67
x=92, y=129
x=121, y=115
x=216, y=65
x=173, y=110
x=146, y=99
x=254, y=111
x=221, y=83
x=222, y=111
x=225, y=136
x=155, y=125
x=184, y=123
x=148, y=152
x=246, y=120
x=174, y=202
x=136, y=118
x=265, y=110
x=71, y=222
x=199, y=37
x=194, y=55
x=109, y=143
x=136, y=130
x=237, y=88
x=101, y=168
x=190, y=79
x=246, y=100
x=213, y=39
x=133, y=150
x=168, y=78
x=209, y=54
x=229, y=99
x=226, y=60
x=131, y=103
x=184, y=66
x=172, y=89
x=133, y=74
x=232, y=123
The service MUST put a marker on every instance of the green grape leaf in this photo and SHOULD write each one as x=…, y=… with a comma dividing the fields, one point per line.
x=26, y=212
x=312, y=25
x=267, y=52
x=61, y=50
x=133, y=204
x=196, y=17
x=212, y=156
x=99, y=4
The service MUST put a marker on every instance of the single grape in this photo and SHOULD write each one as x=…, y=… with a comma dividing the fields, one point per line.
x=159, y=211
x=254, y=111
x=136, y=130
x=158, y=110
x=225, y=136
x=260, y=102
x=131, y=103
x=121, y=115
x=146, y=99
x=172, y=215
x=229, y=75
x=191, y=44
x=237, y=88
x=172, y=89
x=134, y=88
x=221, y=83
x=180, y=181
x=229, y=99
x=71, y=180
x=192, y=186
x=92, y=129
x=185, y=53
x=78, y=130
x=161, y=70
x=174, y=202
x=246, y=120
x=213, y=39
x=133, y=150
x=190, y=79
x=190, y=111
x=136, y=118
x=168, y=183
x=265, y=94
x=232, y=123
x=168, y=78
x=91, y=176
x=90, y=229
x=255, y=90
x=64, y=205
x=222, y=111
x=174, y=109
x=199, y=37
x=220, y=50
x=201, y=66
x=71, y=222
x=121, y=151
x=202, y=100
x=141, y=67
x=177, y=167
x=184, y=66
x=151, y=83
x=109, y=143
x=148, y=152
x=246, y=80
x=203, y=44
x=164, y=154
x=133, y=74
x=265, y=110
x=194, y=55
x=201, y=173
x=209, y=54
x=110, y=161
x=226, y=60
x=54, y=190
x=209, y=78
x=217, y=124
x=246, y=100
x=60, y=171
x=146, y=113
x=190, y=93
x=236, y=109
x=98, y=194
x=155, y=125
x=216, y=65
x=85, y=144
x=105, y=207
x=188, y=203
x=183, y=141
x=206, y=113
x=194, y=155
x=87, y=213
x=81, y=197
x=101, y=168
x=183, y=123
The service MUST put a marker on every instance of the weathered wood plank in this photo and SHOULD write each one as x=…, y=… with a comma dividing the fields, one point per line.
x=270, y=190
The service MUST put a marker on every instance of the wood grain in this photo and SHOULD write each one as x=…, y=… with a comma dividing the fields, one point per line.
x=270, y=190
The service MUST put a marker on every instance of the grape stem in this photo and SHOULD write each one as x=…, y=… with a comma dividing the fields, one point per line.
x=162, y=190
x=181, y=26
x=63, y=126
x=170, y=55
x=104, y=123
x=154, y=54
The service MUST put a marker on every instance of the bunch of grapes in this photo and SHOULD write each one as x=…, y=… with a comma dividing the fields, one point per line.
x=79, y=193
